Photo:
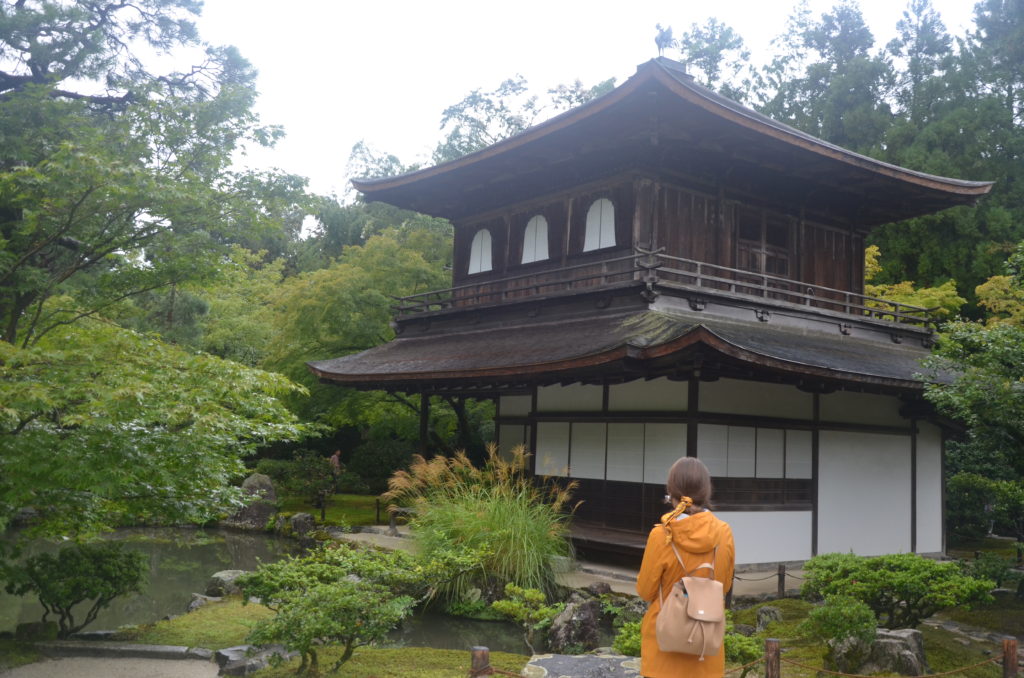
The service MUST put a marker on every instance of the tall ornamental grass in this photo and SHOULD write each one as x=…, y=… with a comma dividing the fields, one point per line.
x=518, y=523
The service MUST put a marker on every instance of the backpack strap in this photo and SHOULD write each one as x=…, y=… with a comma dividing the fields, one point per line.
x=709, y=566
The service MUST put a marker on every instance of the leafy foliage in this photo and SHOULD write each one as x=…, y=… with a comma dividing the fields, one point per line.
x=627, y=640
x=96, y=573
x=529, y=609
x=901, y=589
x=497, y=510
x=990, y=566
x=741, y=649
x=970, y=503
x=134, y=429
x=841, y=617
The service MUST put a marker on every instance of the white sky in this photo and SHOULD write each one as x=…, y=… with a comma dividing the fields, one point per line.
x=333, y=72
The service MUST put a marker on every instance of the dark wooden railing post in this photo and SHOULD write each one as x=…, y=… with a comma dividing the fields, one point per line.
x=1010, y=658
x=480, y=661
x=782, y=580
x=771, y=659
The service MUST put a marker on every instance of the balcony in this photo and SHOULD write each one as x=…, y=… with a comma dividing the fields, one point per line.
x=656, y=269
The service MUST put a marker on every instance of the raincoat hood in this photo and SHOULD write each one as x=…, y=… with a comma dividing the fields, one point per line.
x=698, y=533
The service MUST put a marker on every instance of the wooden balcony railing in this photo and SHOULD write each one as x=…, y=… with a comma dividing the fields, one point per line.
x=655, y=267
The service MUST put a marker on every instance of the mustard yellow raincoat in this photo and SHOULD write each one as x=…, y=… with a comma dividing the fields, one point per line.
x=695, y=537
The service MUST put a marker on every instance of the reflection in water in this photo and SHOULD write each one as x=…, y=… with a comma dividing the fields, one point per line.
x=181, y=561
x=431, y=629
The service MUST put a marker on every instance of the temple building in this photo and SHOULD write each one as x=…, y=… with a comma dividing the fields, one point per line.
x=663, y=272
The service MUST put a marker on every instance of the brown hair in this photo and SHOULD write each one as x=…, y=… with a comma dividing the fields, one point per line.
x=689, y=477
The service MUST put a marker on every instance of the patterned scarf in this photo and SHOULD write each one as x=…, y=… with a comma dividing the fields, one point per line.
x=684, y=503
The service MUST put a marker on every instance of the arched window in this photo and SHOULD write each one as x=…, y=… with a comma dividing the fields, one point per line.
x=535, y=240
x=600, y=225
x=480, y=252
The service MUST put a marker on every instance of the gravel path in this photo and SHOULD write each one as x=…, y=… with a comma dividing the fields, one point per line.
x=101, y=667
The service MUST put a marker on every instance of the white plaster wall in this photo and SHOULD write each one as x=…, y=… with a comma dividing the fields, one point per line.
x=626, y=452
x=798, y=454
x=571, y=398
x=515, y=406
x=862, y=408
x=769, y=536
x=510, y=435
x=587, y=449
x=656, y=395
x=863, y=493
x=733, y=396
x=929, y=488
x=663, y=445
x=552, y=448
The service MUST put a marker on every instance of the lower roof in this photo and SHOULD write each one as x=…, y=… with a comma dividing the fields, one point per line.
x=620, y=346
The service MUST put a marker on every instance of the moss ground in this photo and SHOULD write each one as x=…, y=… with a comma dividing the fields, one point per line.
x=1006, y=615
x=342, y=509
x=212, y=626
x=1007, y=548
x=410, y=662
x=14, y=653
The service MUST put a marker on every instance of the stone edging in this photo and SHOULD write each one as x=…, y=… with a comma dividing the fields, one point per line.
x=240, y=660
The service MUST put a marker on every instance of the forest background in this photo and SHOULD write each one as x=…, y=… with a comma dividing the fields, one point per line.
x=158, y=305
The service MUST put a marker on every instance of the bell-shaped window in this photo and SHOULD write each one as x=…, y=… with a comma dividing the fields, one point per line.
x=600, y=225
x=535, y=240
x=480, y=252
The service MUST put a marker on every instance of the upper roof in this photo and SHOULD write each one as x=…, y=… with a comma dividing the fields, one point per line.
x=660, y=120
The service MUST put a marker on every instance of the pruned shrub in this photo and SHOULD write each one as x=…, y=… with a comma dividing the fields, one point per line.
x=841, y=617
x=280, y=471
x=530, y=609
x=80, y=573
x=497, y=510
x=627, y=640
x=901, y=589
x=970, y=505
x=989, y=566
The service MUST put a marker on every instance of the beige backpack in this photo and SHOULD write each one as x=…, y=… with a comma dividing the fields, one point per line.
x=692, y=617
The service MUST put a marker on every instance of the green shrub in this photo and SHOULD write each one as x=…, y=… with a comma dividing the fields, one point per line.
x=741, y=649
x=988, y=566
x=281, y=471
x=627, y=640
x=1009, y=510
x=901, y=589
x=840, y=617
x=351, y=483
x=313, y=477
x=970, y=504
x=497, y=510
x=97, y=572
x=376, y=460
x=529, y=609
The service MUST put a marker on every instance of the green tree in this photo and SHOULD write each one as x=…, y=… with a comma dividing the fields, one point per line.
x=717, y=57
x=78, y=574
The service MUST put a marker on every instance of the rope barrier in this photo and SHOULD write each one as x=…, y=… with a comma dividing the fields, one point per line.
x=854, y=675
x=771, y=576
x=744, y=667
x=490, y=671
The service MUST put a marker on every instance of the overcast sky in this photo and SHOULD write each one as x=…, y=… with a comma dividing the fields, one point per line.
x=334, y=72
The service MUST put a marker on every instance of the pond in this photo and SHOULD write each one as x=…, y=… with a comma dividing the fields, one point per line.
x=181, y=561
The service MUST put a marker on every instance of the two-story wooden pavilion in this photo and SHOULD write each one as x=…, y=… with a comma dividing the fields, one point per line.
x=663, y=272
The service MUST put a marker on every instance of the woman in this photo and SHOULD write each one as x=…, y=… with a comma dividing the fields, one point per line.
x=698, y=536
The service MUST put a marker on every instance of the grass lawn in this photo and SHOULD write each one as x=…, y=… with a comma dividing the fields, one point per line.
x=16, y=653
x=342, y=509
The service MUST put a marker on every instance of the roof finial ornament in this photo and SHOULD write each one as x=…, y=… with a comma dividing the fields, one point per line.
x=664, y=39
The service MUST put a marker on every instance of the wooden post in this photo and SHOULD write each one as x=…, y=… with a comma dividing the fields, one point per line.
x=377, y=507
x=480, y=661
x=1010, y=658
x=771, y=659
x=782, y=581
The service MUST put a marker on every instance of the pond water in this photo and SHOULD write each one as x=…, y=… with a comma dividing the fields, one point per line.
x=181, y=561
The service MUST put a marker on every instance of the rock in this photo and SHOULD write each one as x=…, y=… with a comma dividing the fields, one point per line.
x=24, y=517
x=302, y=523
x=93, y=635
x=598, y=588
x=198, y=600
x=602, y=665
x=223, y=583
x=767, y=615
x=744, y=629
x=261, y=507
x=36, y=631
x=259, y=485
x=243, y=660
x=900, y=651
x=575, y=629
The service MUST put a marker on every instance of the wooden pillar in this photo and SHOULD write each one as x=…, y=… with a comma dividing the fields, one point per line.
x=424, y=422
x=480, y=661
x=913, y=486
x=692, y=413
x=771, y=659
x=815, y=472
x=1010, y=658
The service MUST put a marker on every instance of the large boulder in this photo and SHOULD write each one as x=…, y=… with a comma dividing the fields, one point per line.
x=199, y=600
x=302, y=524
x=766, y=615
x=900, y=651
x=243, y=660
x=223, y=583
x=575, y=629
x=261, y=503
